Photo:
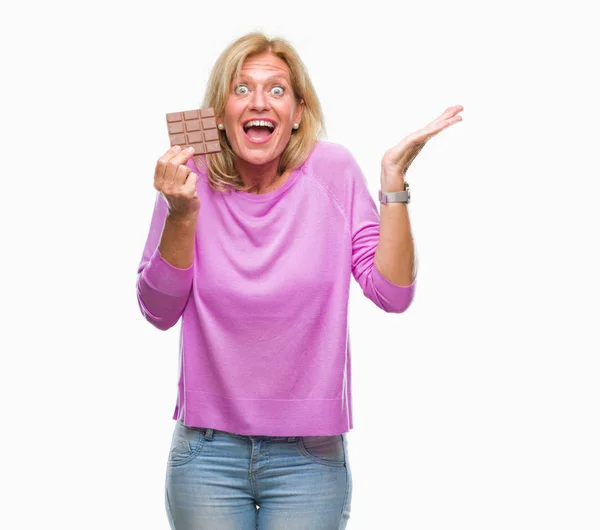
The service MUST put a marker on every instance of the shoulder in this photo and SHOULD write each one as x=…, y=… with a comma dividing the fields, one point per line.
x=334, y=171
x=333, y=165
x=330, y=156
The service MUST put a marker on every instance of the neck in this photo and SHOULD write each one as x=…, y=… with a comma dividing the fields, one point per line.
x=260, y=178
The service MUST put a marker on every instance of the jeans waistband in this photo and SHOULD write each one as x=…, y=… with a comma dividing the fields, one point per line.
x=208, y=433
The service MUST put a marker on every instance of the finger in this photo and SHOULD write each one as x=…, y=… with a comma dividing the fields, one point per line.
x=181, y=176
x=175, y=175
x=451, y=114
x=161, y=165
x=451, y=111
x=448, y=113
x=183, y=156
x=435, y=129
x=190, y=184
x=422, y=136
x=172, y=151
x=438, y=125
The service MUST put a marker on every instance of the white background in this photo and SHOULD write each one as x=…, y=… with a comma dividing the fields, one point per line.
x=478, y=408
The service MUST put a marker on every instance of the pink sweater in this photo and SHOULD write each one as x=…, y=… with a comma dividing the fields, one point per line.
x=264, y=347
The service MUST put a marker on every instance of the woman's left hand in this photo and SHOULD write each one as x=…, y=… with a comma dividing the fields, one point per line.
x=397, y=160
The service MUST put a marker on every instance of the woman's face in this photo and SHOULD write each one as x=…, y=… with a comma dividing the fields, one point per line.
x=262, y=92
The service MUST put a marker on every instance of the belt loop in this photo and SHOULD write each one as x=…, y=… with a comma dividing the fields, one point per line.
x=208, y=433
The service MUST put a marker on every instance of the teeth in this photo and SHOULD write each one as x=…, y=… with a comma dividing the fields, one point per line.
x=260, y=123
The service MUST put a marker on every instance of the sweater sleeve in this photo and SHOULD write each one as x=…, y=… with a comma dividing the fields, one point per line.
x=162, y=289
x=364, y=227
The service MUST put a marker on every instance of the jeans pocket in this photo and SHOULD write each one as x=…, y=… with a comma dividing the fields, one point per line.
x=187, y=442
x=327, y=450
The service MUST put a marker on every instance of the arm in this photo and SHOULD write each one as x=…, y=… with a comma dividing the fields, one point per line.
x=177, y=241
x=165, y=272
x=390, y=242
x=395, y=255
x=395, y=252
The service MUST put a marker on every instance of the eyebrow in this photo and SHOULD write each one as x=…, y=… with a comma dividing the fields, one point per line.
x=276, y=77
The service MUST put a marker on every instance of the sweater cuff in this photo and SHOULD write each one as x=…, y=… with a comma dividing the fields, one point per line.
x=163, y=277
x=395, y=295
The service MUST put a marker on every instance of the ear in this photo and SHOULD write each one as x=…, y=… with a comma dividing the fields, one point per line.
x=298, y=112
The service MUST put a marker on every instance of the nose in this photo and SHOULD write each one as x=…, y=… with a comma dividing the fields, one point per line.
x=259, y=100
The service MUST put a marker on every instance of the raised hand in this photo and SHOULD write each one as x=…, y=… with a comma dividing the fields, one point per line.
x=177, y=183
x=396, y=161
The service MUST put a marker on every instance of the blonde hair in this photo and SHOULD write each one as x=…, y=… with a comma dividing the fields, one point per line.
x=220, y=167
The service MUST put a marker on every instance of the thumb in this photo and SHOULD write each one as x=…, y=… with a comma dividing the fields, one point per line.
x=195, y=184
x=192, y=180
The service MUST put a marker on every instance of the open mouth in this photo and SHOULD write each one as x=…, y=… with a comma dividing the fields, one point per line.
x=259, y=131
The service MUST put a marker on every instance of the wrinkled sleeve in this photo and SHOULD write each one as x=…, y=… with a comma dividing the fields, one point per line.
x=162, y=289
x=364, y=226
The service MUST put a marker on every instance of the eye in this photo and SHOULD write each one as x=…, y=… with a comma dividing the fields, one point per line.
x=241, y=90
x=277, y=90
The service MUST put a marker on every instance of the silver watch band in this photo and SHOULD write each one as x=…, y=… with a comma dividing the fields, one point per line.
x=395, y=196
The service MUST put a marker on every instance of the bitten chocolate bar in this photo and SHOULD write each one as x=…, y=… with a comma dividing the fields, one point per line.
x=197, y=128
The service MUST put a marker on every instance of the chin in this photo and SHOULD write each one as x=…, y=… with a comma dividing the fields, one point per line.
x=260, y=158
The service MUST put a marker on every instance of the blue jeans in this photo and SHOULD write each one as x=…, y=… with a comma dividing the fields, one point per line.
x=217, y=480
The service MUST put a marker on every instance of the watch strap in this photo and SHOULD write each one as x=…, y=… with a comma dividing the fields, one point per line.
x=395, y=196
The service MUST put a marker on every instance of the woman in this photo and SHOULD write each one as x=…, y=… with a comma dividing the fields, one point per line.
x=254, y=248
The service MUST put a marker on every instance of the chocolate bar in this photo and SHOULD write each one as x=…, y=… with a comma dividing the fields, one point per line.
x=196, y=128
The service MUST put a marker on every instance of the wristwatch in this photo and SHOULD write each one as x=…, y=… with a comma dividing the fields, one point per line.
x=395, y=196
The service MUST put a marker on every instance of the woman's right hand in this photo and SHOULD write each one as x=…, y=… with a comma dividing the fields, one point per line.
x=177, y=183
